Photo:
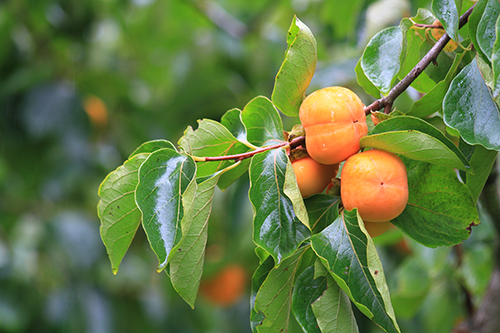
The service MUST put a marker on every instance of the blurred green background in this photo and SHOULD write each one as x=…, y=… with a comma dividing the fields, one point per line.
x=82, y=84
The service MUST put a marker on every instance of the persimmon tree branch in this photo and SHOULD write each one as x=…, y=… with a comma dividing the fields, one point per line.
x=295, y=142
x=431, y=56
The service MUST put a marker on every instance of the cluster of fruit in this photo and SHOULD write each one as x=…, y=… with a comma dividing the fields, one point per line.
x=373, y=181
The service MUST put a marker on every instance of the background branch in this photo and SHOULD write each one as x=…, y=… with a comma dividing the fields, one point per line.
x=431, y=56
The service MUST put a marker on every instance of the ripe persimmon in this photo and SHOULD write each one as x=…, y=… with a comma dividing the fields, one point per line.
x=313, y=177
x=225, y=287
x=375, y=182
x=334, y=120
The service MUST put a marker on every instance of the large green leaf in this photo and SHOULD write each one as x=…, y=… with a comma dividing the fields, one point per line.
x=482, y=161
x=319, y=305
x=495, y=62
x=381, y=60
x=258, y=278
x=262, y=121
x=364, y=82
x=152, y=146
x=416, y=139
x=213, y=139
x=164, y=194
x=423, y=83
x=473, y=23
x=469, y=108
x=333, y=309
x=117, y=210
x=486, y=34
x=273, y=300
x=433, y=101
x=447, y=11
x=277, y=229
x=348, y=252
x=186, y=263
x=322, y=210
x=233, y=122
x=297, y=69
x=440, y=209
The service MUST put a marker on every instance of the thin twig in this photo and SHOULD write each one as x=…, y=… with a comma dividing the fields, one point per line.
x=431, y=56
x=238, y=157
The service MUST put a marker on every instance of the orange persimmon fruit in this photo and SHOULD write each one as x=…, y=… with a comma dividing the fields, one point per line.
x=226, y=287
x=376, y=183
x=334, y=120
x=313, y=177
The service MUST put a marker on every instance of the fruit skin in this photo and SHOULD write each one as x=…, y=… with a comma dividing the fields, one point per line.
x=375, y=182
x=226, y=287
x=334, y=120
x=313, y=177
x=376, y=229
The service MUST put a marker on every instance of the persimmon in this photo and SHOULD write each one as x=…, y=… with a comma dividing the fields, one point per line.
x=375, y=182
x=376, y=229
x=225, y=287
x=334, y=120
x=313, y=177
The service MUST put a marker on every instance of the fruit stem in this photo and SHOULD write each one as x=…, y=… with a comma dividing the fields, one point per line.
x=431, y=56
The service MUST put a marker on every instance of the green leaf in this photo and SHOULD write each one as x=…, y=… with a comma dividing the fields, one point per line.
x=297, y=69
x=258, y=278
x=319, y=305
x=262, y=121
x=381, y=59
x=152, y=146
x=469, y=108
x=473, y=23
x=166, y=181
x=348, y=252
x=186, y=262
x=213, y=139
x=292, y=191
x=416, y=139
x=436, y=70
x=333, y=310
x=233, y=122
x=440, y=209
x=322, y=210
x=423, y=83
x=495, y=62
x=277, y=229
x=273, y=300
x=486, y=28
x=433, y=101
x=117, y=210
x=345, y=19
x=306, y=291
x=364, y=82
x=482, y=161
x=447, y=13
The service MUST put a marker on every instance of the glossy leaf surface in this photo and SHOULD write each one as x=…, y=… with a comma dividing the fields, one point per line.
x=262, y=121
x=469, y=108
x=297, y=69
x=348, y=252
x=166, y=180
x=277, y=229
